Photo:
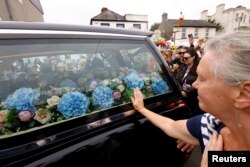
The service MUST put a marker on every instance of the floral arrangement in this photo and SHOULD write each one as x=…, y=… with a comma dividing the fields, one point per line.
x=173, y=47
x=133, y=81
x=73, y=104
x=102, y=97
x=160, y=87
x=22, y=100
x=23, y=109
x=157, y=39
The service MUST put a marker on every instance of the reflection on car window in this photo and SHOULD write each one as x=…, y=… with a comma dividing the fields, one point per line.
x=46, y=83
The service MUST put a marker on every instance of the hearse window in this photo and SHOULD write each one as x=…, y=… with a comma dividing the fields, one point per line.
x=45, y=83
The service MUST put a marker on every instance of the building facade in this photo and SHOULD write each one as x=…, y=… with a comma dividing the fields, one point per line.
x=170, y=30
x=21, y=10
x=232, y=19
x=111, y=19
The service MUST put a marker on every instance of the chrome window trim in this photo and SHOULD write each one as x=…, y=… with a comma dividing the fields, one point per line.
x=50, y=32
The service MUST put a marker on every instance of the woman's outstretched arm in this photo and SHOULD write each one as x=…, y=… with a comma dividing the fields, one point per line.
x=175, y=129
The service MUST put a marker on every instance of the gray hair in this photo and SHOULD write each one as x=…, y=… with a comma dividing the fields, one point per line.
x=232, y=54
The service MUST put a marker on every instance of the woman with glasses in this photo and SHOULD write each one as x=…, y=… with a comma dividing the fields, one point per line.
x=186, y=76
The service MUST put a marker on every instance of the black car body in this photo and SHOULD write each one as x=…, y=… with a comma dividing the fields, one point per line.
x=106, y=130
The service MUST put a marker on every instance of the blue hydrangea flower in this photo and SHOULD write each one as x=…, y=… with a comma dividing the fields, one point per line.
x=133, y=80
x=73, y=104
x=160, y=86
x=22, y=100
x=102, y=97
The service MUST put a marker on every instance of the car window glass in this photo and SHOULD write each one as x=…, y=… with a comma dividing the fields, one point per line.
x=43, y=83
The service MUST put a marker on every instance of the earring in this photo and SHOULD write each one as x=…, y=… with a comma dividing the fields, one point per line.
x=238, y=120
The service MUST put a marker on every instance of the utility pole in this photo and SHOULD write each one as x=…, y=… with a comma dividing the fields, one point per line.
x=174, y=35
x=239, y=19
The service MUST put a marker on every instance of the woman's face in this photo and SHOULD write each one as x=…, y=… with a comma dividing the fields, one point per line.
x=214, y=95
x=188, y=59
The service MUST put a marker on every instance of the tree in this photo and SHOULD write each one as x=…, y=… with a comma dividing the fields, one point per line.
x=218, y=25
x=155, y=26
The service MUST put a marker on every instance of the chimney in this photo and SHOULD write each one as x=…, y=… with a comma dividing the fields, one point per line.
x=204, y=15
x=104, y=9
x=164, y=17
x=220, y=8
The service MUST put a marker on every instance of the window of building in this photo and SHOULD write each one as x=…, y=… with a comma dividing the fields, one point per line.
x=120, y=25
x=241, y=17
x=137, y=26
x=244, y=18
x=207, y=32
x=183, y=33
x=196, y=33
x=237, y=17
x=105, y=24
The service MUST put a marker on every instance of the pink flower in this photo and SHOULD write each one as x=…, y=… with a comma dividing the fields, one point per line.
x=1, y=126
x=25, y=116
x=149, y=89
x=117, y=95
x=93, y=84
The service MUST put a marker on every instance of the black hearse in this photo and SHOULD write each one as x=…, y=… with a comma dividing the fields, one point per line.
x=65, y=97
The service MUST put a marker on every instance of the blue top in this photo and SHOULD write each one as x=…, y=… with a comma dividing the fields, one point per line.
x=203, y=126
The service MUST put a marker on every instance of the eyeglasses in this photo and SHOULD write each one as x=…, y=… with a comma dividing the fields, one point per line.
x=185, y=58
x=181, y=53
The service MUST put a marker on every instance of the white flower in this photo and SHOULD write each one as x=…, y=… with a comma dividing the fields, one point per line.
x=121, y=88
x=42, y=116
x=105, y=82
x=54, y=100
x=115, y=80
x=147, y=80
x=3, y=114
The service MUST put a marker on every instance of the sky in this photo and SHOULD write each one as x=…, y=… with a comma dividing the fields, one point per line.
x=81, y=11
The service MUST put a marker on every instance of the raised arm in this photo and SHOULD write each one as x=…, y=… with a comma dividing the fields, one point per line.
x=175, y=129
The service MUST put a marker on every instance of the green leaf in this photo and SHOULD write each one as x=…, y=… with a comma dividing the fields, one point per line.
x=32, y=124
x=11, y=116
x=8, y=125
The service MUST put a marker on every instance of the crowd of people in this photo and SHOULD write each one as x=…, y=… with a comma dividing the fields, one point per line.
x=222, y=83
x=183, y=62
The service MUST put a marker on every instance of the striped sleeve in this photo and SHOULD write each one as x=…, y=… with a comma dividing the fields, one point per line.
x=202, y=127
x=209, y=124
